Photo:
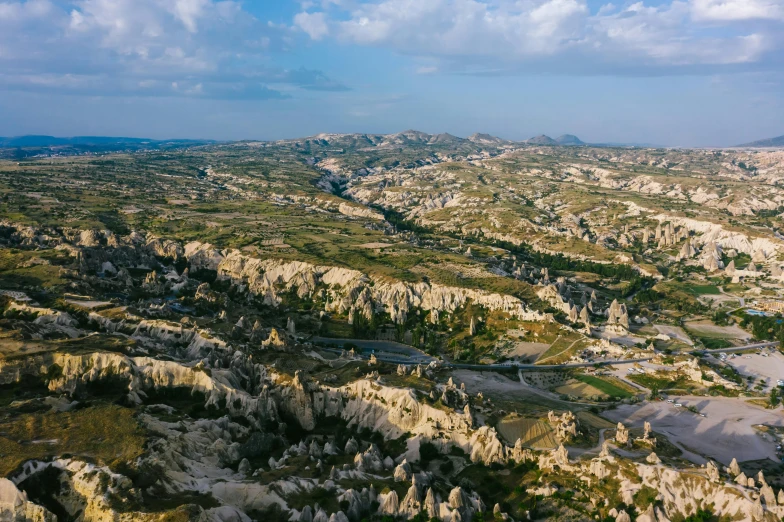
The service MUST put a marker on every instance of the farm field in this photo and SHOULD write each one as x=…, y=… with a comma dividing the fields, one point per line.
x=706, y=329
x=581, y=390
x=610, y=386
x=534, y=433
x=588, y=386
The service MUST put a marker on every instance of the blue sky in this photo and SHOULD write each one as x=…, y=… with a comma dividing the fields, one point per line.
x=670, y=72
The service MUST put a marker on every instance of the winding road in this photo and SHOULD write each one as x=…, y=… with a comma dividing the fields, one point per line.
x=398, y=353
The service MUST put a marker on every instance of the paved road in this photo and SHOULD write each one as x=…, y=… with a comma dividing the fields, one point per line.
x=387, y=351
x=397, y=353
x=741, y=348
x=376, y=346
x=507, y=366
x=423, y=358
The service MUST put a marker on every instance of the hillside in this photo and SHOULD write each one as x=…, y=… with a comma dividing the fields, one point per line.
x=569, y=139
x=53, y=141
x=541, y=140
x=769, y=142
x=390, y=328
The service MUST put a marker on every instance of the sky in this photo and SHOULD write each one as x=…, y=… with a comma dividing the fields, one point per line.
x=664, y=72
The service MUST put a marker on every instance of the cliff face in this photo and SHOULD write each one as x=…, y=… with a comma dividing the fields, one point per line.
x=203, y=454
x=706, y=233
x=352, y=291
x=392, y=412
x=363, y=403
x=15, y=507
x=345, y=290
x=222, y=388
x=685, y=493
x=236, y=450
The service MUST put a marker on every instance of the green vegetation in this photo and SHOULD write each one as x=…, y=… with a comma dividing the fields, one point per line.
x=506, y=489
x=673, y=296
x=714, y=343
x=530, y=217
x=662, y=383
x=702, y=515
x=765, y=328
x=108, y=434
x=608, y=388
x=561, y=263
x=645, y=497
x=703, y=290
x=563, y=347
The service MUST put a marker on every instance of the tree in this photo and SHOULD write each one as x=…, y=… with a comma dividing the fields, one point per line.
x=721, y=318
x=702, y=515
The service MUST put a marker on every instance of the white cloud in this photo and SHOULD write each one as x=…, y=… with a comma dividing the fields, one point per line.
x=20, y=11
x=465, y=27
x=658, y=35
x=210, y=48
x=561, y=35
x=736, y=10
x=314, y=24
x=427, y=69
x=189, y=12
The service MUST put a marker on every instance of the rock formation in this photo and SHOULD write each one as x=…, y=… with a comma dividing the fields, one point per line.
x=275, y=341
x=622, y=435
x=617, y=314
x=565, y=425
x=15, y=507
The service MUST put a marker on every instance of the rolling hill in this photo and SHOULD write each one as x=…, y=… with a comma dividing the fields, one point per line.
x=769, y=142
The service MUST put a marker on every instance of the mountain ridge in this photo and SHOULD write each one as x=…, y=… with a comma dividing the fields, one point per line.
x=778, y=141
x=41, y=140
x=405, y=137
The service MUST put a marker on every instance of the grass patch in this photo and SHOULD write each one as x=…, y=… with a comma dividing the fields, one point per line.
x=40, y=276
x=703, y=289
x=506, y=488
x=562, y=348
x=605, y=386
x=105, y=433
x=28, y=387
x=663, y=383
x=409, y=381
x=714, y=343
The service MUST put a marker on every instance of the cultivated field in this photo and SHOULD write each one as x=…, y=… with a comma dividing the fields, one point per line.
x=534, y=433
x=588, y=386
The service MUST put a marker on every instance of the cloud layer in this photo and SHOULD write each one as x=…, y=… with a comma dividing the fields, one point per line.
x=560, y=35
x=194, y=48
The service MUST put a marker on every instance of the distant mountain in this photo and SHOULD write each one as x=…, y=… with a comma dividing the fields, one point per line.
x=569, y=139
x=541, y=140
x=22, y=147
x=770, y=142
x=445, y=138
x=399, y=139
x=418, y=137
x=414, y=137
x=486, y=139
x=88, y=141
x=31, y=141
x=563, y=140
x=411, y=135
